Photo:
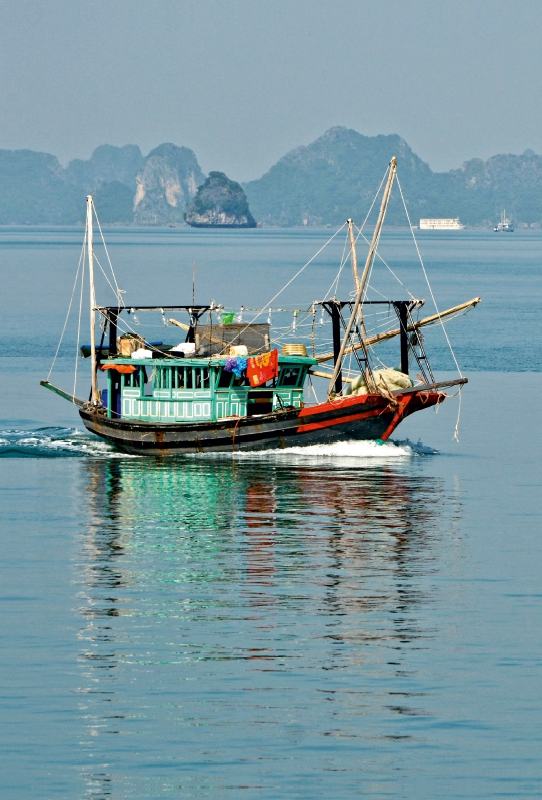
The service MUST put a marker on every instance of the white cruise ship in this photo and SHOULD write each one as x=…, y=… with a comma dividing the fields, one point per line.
x=441, y=225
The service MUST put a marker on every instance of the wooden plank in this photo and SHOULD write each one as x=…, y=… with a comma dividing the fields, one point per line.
x=63, y=394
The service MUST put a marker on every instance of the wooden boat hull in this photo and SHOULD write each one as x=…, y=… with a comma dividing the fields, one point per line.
x=368, y=417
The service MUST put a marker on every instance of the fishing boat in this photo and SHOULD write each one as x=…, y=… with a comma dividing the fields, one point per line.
x=505, y=225
x=231, y=387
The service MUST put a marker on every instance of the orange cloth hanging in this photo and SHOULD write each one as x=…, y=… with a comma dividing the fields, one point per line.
x=261, y=369
x=125, y=368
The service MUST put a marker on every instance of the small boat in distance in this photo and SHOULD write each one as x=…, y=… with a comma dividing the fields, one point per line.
x=228, y=388
x=505, y=225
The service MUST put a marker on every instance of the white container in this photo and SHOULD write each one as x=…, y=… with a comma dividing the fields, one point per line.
x=187, y=348
x=142, y=353
x=237, y=350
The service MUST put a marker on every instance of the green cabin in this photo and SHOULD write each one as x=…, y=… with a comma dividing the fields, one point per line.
x=199, y=389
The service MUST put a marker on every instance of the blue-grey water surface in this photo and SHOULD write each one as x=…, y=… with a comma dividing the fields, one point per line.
x=351, y=621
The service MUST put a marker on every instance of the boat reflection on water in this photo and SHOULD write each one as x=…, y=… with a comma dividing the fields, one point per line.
x=199, y=575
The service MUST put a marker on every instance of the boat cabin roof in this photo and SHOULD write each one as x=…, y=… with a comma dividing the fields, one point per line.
x=200, y=361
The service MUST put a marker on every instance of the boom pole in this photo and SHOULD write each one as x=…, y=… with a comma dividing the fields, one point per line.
x=382, y=337
x=353, y=255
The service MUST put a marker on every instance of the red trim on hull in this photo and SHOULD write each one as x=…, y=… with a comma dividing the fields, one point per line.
x=341, y=402
x=328, y=423
x=407, y=404
x=397, y=417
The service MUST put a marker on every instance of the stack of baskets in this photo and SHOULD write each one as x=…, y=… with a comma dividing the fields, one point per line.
x=294, y=350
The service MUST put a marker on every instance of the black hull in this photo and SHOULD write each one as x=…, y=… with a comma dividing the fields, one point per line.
x=359, y=418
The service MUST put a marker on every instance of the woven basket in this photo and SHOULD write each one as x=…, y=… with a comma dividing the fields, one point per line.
x=294, y=350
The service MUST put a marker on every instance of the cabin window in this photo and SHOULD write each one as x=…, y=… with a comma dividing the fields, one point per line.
x=224, y=380
x=189, y=378
x=148, y=388
x=289, y=376
x=163, y=380
x=130, y=380
x=178, y=377
x=201, y=379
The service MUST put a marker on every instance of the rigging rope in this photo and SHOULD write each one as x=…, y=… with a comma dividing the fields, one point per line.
x=377, y=254
x=79, y=322
x=456, y=432
x=69, y=308
x=266, y=305
x=118, y=292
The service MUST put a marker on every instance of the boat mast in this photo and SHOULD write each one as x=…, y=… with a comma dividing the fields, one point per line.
x=353, y=256
x=365, y=275
x=94, y=394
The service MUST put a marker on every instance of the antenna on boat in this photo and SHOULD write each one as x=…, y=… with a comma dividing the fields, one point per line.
x=94, y=393
x=365, y=275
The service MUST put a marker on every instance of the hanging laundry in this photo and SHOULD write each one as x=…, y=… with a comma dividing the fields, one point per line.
x=261, y=369
x=236, y=365
x=227, y=319
x=124, y=368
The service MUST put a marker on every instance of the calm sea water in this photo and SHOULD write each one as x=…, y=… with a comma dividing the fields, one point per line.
x=330, y=622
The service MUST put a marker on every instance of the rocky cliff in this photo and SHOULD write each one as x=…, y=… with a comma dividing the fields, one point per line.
x=165, y=184
x=220, y=203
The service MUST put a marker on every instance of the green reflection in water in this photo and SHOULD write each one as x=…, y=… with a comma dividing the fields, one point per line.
x=203, y=580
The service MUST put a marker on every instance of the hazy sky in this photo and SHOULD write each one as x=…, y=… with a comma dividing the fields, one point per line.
x=244, y=81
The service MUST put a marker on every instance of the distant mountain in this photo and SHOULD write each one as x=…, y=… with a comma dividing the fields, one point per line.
x=334, y=178
x=326, y=182
x=484, y=188
x=115, y=203
x=127, y=188
x=338, y=175
x=34, y=190
x=219, y=203
x=106, y=164
x=107, y=170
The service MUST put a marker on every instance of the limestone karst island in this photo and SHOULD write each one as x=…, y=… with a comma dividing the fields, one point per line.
x=219, y=203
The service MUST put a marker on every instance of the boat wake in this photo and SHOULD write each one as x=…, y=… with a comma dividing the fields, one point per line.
x=343, y=453
x=55, y=442
x=52, y=442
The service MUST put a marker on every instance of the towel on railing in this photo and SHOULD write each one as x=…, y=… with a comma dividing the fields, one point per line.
x=263, y=368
